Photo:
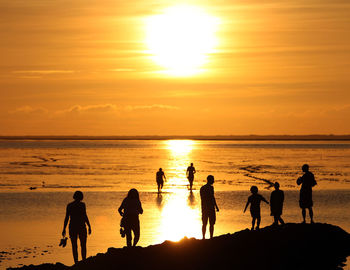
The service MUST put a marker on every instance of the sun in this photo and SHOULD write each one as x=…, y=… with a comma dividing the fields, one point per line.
x=181, y=39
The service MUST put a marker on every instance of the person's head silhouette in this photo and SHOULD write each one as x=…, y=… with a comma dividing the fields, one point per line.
x=160, y=169
x=133, y=194
x=78, y=196
x=210, y=179
x=254, y=189
x=276, y=185
x=191, y=164
x=305, y=168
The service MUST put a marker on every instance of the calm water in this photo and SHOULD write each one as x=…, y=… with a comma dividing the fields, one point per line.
x=31, y=220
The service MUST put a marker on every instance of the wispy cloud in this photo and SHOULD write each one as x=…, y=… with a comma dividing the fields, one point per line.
x=89, y=109
x=152, y=107
x=43, y=72
x=28, y=110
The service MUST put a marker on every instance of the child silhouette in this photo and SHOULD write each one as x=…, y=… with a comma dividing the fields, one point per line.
x=254, y=201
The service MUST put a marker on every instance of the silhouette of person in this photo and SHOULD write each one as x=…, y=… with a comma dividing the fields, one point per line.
x=76, y=214
x=208, y=206
x=190, y=174
x=160, y=177
x=307, y=181
x=254, y=201
x=276, y=204
x=129, y=210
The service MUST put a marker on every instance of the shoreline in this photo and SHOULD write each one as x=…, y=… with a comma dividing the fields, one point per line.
x=293, y=246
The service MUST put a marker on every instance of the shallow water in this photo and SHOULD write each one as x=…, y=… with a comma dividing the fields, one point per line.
x=31, y=220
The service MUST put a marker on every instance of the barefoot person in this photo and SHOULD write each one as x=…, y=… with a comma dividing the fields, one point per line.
x=208, y=206
x=276, y=204
x=160, y=177
x=190, y=174
x=130, y=209
x=307, y=181
x=254, y=201
x=76, y=214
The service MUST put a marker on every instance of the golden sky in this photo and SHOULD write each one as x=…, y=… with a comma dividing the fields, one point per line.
x=85, y=67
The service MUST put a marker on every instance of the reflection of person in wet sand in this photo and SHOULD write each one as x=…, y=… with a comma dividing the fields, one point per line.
x=254, y=201
x=160, y=177
x=190, y=174
x=276, y=204
x=130, y=209
x=208, y=206
x=76, y=214
x=307, y=181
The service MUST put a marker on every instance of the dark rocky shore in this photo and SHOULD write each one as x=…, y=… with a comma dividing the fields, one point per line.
x=293, y=246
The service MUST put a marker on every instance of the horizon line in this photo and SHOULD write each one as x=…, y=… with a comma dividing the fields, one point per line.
x=311, y=137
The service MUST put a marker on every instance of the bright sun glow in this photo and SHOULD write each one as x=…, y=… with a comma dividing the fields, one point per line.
x=180, y=147
x=181, y=39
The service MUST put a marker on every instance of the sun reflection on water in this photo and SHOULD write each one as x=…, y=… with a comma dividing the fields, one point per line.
x=180, y=217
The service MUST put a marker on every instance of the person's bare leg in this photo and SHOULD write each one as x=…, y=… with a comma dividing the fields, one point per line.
x=204, y=228
x=136, y=236
x=281, y=220
x=253, y=223
x=258, y=223
x=211, y=229
x=311, y=213
x=303, y=212
x=83, y=247
x=128, y=237
x=74, y=248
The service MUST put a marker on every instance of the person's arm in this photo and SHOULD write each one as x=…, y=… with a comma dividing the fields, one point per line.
x=263, y=199
x=194, y=170
x=246, y=206
x=140, y=208
x=314, y=183
x=164, y=176
x=300, y=180
x=121, y=208
x=87, y=219
x=216, y=206
x=187, y=172
x=65, y=222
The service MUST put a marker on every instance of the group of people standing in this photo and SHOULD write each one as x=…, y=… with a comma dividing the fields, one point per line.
x=131, y=208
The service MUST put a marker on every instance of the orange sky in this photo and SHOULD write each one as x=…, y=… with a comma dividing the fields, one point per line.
x=81, y=68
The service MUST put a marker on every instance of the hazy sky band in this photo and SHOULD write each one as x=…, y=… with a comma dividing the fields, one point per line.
x=281, y=67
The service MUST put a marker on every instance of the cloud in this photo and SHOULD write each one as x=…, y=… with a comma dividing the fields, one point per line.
x=89, y=109
x=152, y=107
x=43, y=72
x=28, y=110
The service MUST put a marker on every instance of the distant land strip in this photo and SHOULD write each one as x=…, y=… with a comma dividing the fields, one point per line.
x=190, y=137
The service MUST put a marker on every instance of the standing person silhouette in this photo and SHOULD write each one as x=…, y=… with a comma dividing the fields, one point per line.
x=276, y=204
x=129, y=210
x=76, y=214
x=160, y=177
x=190, y=175
x=307, y=181
x=208, y=206
x=254, y=201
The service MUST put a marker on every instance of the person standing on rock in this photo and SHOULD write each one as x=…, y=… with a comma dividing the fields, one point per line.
x=77, y=217
x=254, y=201
x=129, y=210
x=276, y=204
x=307, y=182
x=209, y=206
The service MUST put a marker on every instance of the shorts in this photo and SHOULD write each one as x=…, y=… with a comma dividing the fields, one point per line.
x=74, y=233
x=211, y=215
x=305, y=204
x=255, y=214
x=160, y=182
x=190, y=178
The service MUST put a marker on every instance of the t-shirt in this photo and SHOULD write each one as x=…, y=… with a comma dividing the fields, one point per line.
x=191, y=171
x=77, y=213
x=207, y=197
x=159, y=176
x=307, y=181
x=132, y=208
x=255, y=200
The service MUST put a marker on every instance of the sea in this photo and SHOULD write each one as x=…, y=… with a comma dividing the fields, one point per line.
x=38, y=179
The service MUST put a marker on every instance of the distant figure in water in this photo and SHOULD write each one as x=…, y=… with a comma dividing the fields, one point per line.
x=160, y=177
x=129, y=210
x=208, y=206
x=307, y=181
x=190, y=175
x=276, y=204
x=254, y=201
x=76, y=214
